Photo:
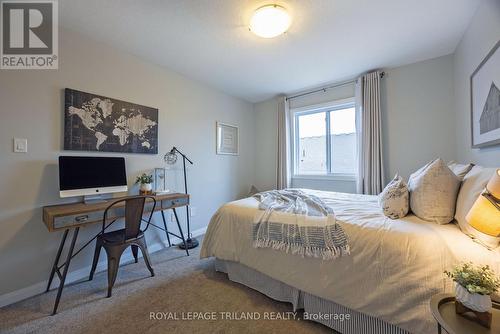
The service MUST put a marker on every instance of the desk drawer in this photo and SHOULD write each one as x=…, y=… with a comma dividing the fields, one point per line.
x=94, y=216
x=175, y=202
x=67, y=221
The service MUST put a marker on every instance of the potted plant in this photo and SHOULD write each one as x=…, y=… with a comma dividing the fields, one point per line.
x=473, y=287
x=146, y=182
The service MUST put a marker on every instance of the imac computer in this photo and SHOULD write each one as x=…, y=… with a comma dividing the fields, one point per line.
x=91, y=176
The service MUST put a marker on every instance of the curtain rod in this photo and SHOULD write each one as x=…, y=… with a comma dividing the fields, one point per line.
x=324, y=89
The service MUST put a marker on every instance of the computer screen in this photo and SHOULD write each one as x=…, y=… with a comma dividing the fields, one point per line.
x=91, y=173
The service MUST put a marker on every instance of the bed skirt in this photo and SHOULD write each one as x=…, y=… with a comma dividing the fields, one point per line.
x=357, y=323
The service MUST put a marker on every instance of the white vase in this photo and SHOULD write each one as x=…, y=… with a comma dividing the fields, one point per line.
x=146, y=187
x=474, y=301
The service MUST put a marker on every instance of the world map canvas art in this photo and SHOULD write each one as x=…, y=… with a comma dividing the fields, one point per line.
x=97, y=123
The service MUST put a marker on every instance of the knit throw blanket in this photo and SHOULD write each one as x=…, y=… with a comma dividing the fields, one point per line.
x=298, y=223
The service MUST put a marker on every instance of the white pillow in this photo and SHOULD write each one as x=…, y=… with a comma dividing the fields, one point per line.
x=433, y=192
x=474, y=183
x=394, y=199
x=460, y=170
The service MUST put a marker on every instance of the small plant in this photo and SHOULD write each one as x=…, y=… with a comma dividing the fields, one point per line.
x=475, y=279
x=144, y=179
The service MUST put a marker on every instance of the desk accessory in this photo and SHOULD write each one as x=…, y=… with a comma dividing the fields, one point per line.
x=171, y=158
x=160, y=181
x=91, y=177
x=146, y=182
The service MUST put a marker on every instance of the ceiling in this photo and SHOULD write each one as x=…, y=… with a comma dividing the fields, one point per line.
x=329, y=40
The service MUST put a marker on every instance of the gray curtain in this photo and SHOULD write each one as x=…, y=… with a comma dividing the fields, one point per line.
x=369, y=129
x=283, y=163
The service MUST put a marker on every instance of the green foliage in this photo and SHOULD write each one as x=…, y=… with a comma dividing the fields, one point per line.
x=144, y=179
x=476, y=279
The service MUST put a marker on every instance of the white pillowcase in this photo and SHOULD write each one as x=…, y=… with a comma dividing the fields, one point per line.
x=473, y=185
x=460, y=170
x=394, y=199
x=433, y=192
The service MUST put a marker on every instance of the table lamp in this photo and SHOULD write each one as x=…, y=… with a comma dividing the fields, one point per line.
x=484, y=215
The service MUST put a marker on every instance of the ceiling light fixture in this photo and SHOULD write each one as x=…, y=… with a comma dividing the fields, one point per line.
x=270, y=21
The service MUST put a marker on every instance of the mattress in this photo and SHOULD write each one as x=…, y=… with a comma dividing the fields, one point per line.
x=394, y=268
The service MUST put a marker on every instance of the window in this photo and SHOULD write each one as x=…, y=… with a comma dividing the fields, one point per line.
x=325, y=141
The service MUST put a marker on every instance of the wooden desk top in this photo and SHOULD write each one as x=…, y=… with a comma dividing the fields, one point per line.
x=51, y=212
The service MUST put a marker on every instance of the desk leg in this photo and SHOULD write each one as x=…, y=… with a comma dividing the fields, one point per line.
x=180, y=231
x=439, y=328
x=56, y=261
x=65, y=271
x=166, y=230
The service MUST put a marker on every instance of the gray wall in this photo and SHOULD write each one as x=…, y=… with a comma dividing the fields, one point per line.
x=481, y=35
x=418, y=118
x=418, y=122
x=32, y=108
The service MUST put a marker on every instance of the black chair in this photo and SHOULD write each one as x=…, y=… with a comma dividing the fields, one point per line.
x=116, y=242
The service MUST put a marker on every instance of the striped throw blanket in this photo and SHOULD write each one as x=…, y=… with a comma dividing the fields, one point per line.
x=298, y=223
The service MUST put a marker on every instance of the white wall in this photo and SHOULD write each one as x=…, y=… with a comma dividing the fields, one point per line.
x=31, y=106
x=418, y=120
x=479, y=38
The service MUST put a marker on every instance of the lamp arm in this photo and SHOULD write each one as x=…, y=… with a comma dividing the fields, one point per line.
x=183, y=155
x=492, y=199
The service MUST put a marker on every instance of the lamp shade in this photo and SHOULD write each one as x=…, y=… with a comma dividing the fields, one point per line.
x=493, y=185
x=484, y=216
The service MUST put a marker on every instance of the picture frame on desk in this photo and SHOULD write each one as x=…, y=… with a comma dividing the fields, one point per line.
x=160, y=180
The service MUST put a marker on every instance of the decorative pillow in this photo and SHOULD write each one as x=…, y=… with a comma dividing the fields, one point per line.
x=460, y=170
x=433, y=192
x=394, y=198
x=253, y=191
x=472, y=186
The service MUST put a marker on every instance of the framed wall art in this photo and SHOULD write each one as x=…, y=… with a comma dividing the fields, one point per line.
x=227, y=139
x=97, y=123
x=485, y=100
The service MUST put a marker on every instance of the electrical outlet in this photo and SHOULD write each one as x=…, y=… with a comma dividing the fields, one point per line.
x=192, y=211
x=20, y=145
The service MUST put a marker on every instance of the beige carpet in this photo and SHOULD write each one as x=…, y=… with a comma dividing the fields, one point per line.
x=181, y=285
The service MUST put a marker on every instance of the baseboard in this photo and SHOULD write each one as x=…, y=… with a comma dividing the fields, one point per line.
x=82, y=273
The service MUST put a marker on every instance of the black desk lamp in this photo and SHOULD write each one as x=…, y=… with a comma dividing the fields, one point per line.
x=171, y=158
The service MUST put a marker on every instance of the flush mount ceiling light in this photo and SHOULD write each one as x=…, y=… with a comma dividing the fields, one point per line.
x=270, y=21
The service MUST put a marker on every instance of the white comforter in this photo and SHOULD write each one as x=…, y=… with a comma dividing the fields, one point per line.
x=394, y=268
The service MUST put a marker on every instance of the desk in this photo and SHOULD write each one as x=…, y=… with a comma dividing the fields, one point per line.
x=76, y=215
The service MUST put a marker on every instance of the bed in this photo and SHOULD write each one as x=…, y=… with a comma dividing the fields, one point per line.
x=385, y=284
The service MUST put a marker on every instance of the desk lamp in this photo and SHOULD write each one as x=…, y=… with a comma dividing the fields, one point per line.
x=171, y=158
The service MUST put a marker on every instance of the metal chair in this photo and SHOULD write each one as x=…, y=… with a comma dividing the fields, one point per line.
x=116, y=242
